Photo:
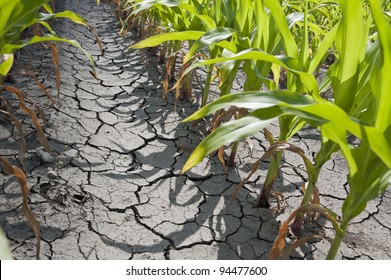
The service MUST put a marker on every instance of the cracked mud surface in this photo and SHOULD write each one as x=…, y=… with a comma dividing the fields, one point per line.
x=115, y=190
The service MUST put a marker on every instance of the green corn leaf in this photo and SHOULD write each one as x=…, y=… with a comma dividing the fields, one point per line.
x=296, y=124
x=226, y=133
x=6, y=61
x=375, y=139
x=147, y=4
x=383, y=120
x=366, y=101
x=71, y=16
x=209, y=38
x=351, y=41
x=207, y=20
x=216, y=11
x=322, y=49
x=17, y=13
x=281, y=21
x=65, y=14
x=47, y=7
x=227, y=73
x=244, y=17
x=288, y=63
x=363, y=190
x=173, y=36
x=261, y=37
x=338, y=135
x=41, y=22
x=251, y=100
x=304, y=41
x=36, y=39
x=290, y=103
x=229, y=9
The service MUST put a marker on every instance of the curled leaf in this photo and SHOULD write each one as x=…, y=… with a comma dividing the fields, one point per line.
x=279, y=242
x=41, y=135
x=56, y=64
x=19, y=174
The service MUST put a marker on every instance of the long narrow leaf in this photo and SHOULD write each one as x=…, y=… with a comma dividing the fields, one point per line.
x=41, y=135
x=226, y=133
x=280, y=19
x=47, y=38
x=251, y=100
x=383, y=120
x=289, y=63
x=209, y=38
x=319, y=113
x=351, y=42
x=22, y=179
x=173, y=36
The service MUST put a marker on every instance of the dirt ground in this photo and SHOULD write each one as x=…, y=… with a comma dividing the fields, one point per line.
x=114, y=188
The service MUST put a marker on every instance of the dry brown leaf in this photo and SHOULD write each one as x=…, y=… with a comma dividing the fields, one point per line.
x=300, y=242
x=263, y=199
x=254, y=169
x=188, y=86
x=283, y=146
x=44, y=90
x=167, y=77
x=180, y=79
x=97, y=38
x=41, y=135
x=19, y=174
x=269, y=136
x=279, y=242
x=281, y=202
x=56, y=64
x=315, y=199
x=220, y=155
x=180, y=82
x=18, y=125
x=163, y=51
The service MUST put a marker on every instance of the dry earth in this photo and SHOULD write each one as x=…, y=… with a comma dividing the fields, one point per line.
x=114, y=190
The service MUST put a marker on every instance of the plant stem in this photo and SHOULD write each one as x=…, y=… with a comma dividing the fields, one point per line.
x=296, y=225
x=272, y=172
x=322, y=157
x=187, y=86
x=336, y=243
x=207, y=85
x=234, y=149
x=263, y=199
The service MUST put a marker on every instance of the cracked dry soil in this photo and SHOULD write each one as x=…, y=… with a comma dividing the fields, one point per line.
x=115, y=189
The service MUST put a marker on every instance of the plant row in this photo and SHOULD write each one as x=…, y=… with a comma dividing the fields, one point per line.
x=281, y=46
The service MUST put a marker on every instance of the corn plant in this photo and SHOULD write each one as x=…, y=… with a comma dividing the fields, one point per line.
x=186, y=23
x=258, y=61
x=251, y=27
x=362, y=108
x=16, y=17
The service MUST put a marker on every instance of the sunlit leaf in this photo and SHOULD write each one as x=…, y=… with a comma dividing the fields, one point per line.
x=6, y=61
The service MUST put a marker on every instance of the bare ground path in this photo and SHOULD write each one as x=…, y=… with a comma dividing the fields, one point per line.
x=115, y=190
